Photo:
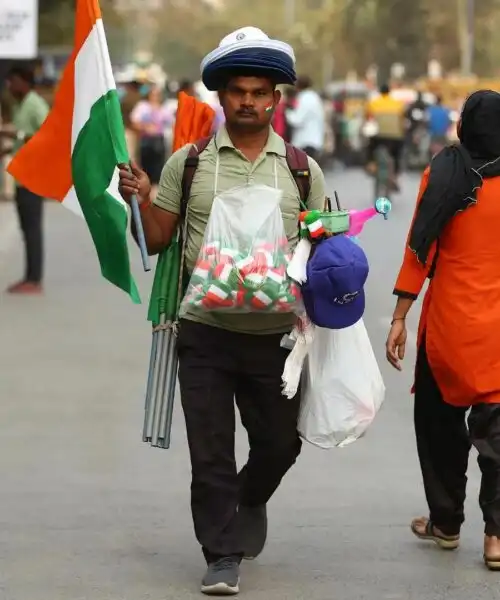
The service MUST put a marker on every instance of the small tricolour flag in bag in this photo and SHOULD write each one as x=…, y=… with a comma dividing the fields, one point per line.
x=261, y=300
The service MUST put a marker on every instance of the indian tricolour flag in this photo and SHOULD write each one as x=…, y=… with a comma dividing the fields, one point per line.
x=73, y=156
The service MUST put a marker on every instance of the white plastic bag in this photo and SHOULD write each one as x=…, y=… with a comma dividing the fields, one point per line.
x=241, y=267
x=303, y=337
x=342, y=387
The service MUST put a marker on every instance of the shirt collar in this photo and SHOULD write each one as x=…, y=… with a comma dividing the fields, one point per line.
x=275, y=143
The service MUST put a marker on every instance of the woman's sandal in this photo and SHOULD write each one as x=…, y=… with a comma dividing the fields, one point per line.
x=492, y=562
x=445, y=542
x=491, y=555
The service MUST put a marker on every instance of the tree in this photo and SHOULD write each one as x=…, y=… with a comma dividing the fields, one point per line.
x=343, y=34
x=487, y=51
x=414, y=32
x=45, y=6
x=55, y=24
x=386, y=32
x=186, y=31
x=56, y=21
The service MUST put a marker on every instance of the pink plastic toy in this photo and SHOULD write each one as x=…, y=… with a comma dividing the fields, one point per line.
x=358, y=218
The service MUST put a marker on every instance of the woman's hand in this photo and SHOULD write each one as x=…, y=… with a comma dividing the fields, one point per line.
x=396, y=343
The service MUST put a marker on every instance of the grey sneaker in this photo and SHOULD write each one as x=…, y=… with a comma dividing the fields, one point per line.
x=252, y=527
x=222, y=577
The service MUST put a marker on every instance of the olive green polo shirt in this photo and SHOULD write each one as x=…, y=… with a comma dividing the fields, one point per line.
x=236, y=170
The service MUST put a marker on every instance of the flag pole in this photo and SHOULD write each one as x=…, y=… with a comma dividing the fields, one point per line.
x=141, y=240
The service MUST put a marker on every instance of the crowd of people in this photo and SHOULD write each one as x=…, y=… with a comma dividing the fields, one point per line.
x=413, y=131
x=149, y=115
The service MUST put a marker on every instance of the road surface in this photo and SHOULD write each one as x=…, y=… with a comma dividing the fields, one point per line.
x=87, y=511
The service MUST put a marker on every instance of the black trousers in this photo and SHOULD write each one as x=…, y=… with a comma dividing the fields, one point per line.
x=444, y=442
x=217, y=367
x=30, y=211
x=152, y=156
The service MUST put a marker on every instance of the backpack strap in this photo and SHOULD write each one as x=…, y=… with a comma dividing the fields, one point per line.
x=298, y=163
x=296, y=159
x=190, y=166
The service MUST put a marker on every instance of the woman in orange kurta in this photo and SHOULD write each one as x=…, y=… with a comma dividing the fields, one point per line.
x=454, y=242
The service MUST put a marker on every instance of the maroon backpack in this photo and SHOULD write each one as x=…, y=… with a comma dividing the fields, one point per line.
x=296, y=160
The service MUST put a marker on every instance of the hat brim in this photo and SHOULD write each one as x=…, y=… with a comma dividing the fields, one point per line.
x=257, y=62
x=218, y=78
x=248, y=45
x=329, y=316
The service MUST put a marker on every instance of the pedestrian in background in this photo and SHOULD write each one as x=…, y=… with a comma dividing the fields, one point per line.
x=280, y=123
x=131, y=96
x=150, y=118
x=29, y=112
x=307, y=119
x=439, y=125
x=453, y=241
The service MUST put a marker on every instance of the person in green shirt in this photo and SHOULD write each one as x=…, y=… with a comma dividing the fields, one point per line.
x=29, y=112
x=227, y=357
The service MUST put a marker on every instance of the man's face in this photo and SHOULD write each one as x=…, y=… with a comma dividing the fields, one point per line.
x=16, y=86
x=249, y=102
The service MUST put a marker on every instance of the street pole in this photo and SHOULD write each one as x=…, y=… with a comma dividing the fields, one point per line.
x=470, y=37
x=466, y=10
x=327, y=59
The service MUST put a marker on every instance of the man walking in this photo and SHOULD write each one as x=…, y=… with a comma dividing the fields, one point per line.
x=388, y=114
x=227, y=357
x=307, y=119
x=439, y=125
x=30, y=111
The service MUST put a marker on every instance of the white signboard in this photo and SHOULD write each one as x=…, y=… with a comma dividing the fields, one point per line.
x=18, y=29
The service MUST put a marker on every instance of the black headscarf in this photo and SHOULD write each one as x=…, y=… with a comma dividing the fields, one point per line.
x=457, y=172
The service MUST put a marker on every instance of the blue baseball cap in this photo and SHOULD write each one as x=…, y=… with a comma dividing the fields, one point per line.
x=333, y=294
